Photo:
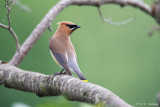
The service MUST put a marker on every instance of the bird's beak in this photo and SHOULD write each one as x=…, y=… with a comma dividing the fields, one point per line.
x=78, y=26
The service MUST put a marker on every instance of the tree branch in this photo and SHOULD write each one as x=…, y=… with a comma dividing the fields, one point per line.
x=158, y=99
x=22, y=6
x=110, y=20
x=9, y=8
x=153, y=30
x=44, y=85
x=50, y=16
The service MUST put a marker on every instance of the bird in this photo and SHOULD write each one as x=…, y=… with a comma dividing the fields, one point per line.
x=62, y=49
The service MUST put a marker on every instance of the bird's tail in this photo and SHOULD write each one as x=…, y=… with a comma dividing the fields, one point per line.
x=80, y=75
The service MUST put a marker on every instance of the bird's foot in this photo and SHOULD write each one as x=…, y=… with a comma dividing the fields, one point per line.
x=59, y=73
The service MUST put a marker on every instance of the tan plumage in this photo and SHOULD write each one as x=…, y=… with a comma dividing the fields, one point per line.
x=62, y=49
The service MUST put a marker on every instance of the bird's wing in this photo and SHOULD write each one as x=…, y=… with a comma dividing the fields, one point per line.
x=55, y=58
x=57, y=52
x=72, y=49
x=62, y=60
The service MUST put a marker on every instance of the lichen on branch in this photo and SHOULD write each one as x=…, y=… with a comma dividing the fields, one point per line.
x=48, y=85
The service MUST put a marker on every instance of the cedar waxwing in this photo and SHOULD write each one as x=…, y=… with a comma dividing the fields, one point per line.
x=62, y=50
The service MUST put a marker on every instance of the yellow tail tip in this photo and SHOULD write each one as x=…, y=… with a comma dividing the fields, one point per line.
x=85, y=80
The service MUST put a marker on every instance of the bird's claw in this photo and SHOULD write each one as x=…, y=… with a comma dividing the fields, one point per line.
x=59, y=73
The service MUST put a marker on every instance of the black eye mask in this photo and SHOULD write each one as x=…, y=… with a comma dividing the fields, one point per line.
x=71, y=26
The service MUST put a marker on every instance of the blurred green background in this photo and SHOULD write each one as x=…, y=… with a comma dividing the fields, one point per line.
x=123, y=59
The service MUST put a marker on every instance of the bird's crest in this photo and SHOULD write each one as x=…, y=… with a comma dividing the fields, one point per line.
x=64, y=23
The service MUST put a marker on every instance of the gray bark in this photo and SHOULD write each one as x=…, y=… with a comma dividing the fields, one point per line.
x=48, y=85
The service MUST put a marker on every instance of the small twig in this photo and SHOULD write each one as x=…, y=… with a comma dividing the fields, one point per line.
x=49, y=27
x=154, y=29
x=22, y=6
x=112, y=22
x=6, y=2
x=9, y=8
x=3, y=26
x=14, y=35
x=9, y=2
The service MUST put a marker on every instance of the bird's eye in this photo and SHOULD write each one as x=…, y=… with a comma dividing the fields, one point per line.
x=71, y=26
